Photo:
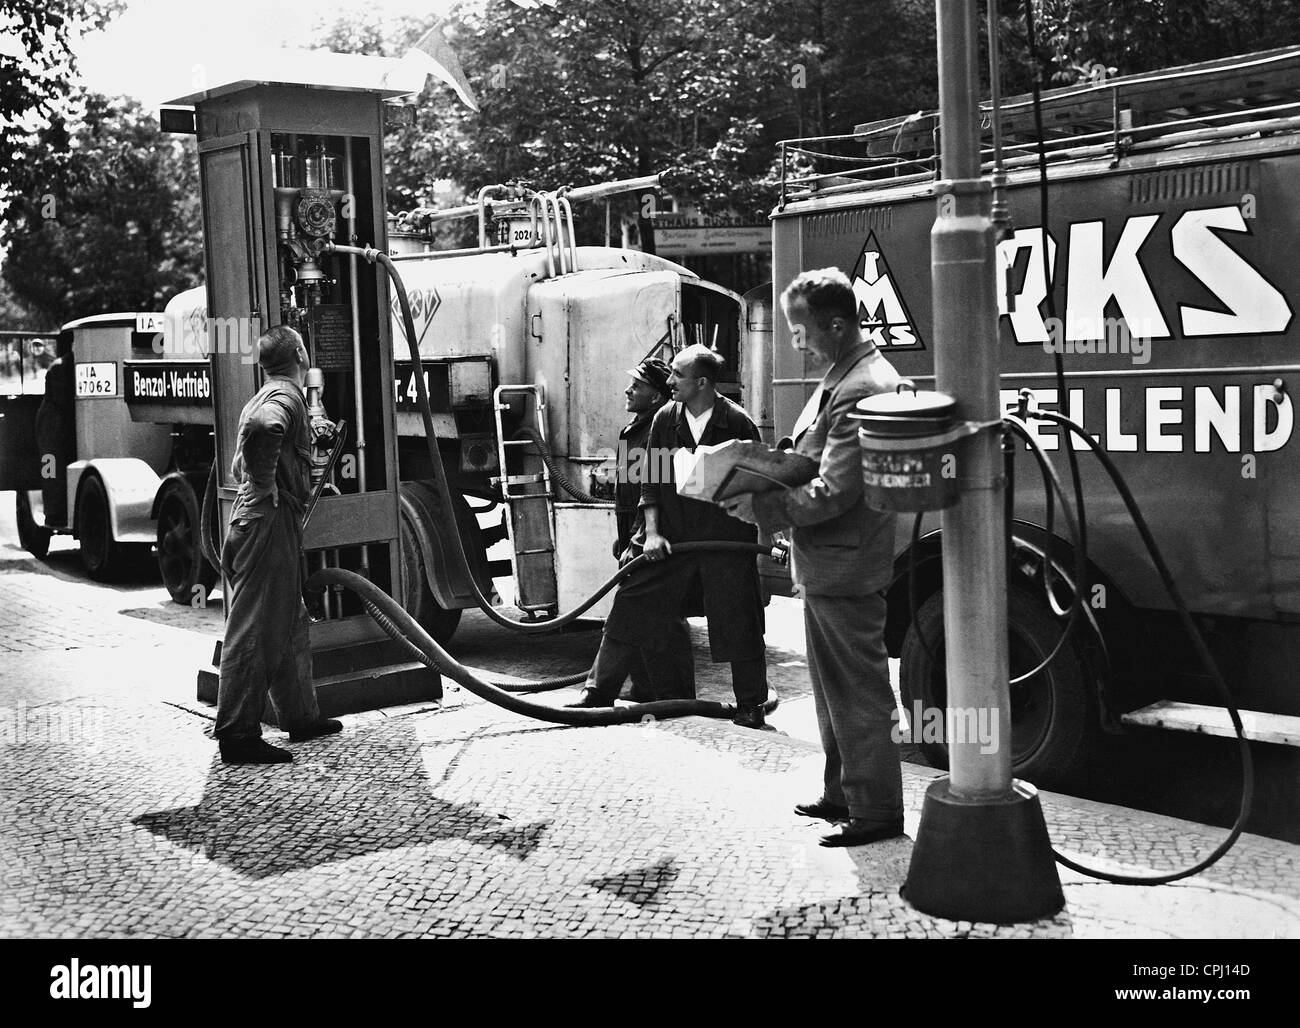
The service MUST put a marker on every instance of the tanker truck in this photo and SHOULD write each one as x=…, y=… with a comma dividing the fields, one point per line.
x=525, y=345
x=525, y=341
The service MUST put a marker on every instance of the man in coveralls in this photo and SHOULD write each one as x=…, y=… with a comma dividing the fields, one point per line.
x=266, y=646
x=670, y=675
x=841, y=563
x=647, y=605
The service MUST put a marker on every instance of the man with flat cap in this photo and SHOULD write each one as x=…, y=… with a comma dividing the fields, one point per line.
x=669, y=674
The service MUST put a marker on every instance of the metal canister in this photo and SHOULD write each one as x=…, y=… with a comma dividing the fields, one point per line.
x=910, y=449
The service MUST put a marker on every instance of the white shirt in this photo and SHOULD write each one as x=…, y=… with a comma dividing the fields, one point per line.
x=697, y=422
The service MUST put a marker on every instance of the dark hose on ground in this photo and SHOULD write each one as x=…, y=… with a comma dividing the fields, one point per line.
x=399, y=625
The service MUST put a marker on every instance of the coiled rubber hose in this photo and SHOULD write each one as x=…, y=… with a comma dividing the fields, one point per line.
x=557, y=476
x=398, y=624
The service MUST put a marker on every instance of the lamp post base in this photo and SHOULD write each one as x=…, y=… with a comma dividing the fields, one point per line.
x=986, y=860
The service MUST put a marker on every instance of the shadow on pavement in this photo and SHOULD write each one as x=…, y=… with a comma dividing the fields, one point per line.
x=341, y=798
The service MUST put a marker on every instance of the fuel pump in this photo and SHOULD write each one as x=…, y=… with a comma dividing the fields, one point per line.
x=290, y=163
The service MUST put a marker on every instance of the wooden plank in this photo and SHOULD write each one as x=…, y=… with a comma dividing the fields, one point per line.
x=1280, y=729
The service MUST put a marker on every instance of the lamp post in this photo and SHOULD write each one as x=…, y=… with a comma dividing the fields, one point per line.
x=982, y=852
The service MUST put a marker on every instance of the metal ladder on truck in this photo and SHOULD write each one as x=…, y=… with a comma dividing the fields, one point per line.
x=525, y=484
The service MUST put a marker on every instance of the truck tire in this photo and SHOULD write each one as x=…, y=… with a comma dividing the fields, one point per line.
x=1052, y=722
x=417, y=599
x=184, y=570
x=101, y=555
x=33, y=538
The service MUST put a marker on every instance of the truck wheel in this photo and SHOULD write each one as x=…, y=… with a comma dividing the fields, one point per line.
x=417, y=599
x=180, y=556
x=101, y=555
x=1051, y=719
x=34, y=538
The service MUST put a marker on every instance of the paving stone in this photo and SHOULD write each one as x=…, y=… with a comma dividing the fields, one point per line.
x=464, y=820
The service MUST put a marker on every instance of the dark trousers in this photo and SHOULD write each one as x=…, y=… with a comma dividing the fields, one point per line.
x=856, y=710
x=266, y=648
x=667, y=674
x=615, y=660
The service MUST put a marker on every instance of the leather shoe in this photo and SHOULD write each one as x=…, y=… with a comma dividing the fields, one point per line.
x=824, y=809
x=254, y=751
x=314, y=729
x=749, y=717
x=859, y=832
x=589, y=698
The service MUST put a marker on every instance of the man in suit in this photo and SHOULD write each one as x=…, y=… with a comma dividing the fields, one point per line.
x=670, y=673
x=841, y=559
x=726, y=585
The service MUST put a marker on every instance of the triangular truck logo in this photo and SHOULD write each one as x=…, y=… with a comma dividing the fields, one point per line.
x=882, y=313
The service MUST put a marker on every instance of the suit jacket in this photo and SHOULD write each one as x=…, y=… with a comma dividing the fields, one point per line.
x=840, y=546
x=680, y=518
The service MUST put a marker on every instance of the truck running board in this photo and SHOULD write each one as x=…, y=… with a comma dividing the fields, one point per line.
x=1280, y=729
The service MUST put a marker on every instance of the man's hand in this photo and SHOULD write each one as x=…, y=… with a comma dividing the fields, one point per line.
x=253, y=493
x=741, y=507
x=656, y=547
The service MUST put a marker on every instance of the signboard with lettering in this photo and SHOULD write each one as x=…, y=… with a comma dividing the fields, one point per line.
x=168, y=382
x=692, y=233
x=329, y=329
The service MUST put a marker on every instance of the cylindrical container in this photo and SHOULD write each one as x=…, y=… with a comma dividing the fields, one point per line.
x=285, y=170
x=322, y=169
x=911, y=450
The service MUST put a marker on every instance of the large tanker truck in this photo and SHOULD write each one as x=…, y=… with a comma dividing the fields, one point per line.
x=525, y=347
x=1170, y=254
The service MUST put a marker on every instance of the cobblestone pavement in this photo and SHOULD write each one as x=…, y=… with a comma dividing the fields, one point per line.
x=117, y=819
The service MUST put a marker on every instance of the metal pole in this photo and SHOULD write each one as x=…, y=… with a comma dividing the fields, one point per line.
x=982, y=852
x=354, y=296
x=966, y=343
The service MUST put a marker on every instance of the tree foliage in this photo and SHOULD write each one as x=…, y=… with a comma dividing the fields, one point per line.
x=33, y=83
x=1079, y=39
x=572, y=92
x=105, y=215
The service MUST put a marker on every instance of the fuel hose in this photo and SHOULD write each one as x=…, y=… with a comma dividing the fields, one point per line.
x=1203, y=654
x=399, y=625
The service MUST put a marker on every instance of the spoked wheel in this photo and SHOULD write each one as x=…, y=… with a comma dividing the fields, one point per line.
x=1051, y=720
x=33, y=538
x=185, y=572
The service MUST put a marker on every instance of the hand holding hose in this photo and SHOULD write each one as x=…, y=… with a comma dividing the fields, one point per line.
x=656, y=547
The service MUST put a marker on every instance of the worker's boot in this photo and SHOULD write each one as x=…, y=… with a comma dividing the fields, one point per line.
x=252, y=751
x=613, y=664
